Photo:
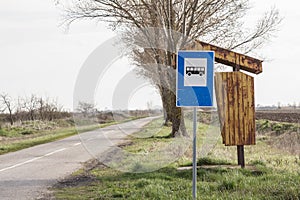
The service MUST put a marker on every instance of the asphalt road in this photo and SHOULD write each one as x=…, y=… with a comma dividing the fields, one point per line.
x=28, y=173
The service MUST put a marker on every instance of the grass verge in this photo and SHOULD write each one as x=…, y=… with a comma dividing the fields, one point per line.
x=50, y=136
x=260, y=180
x=170, y=183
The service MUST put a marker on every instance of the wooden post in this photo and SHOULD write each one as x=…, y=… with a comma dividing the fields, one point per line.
x=240, y=148
x=241, y=155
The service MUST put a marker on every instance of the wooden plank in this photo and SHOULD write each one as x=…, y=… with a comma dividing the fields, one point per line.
x=220, y=101
x=252, y=112
x=230, y=58
x=254, y=117
x=246, y=108
x=241, y=120
x=235, y=108
x=248, y=92
x=231, y=122
x=226, y=109
x=250, y=120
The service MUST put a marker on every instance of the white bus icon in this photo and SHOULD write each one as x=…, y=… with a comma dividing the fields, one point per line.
x=195, y=70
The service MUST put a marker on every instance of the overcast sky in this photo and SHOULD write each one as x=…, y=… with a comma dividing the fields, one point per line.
x=37, y=56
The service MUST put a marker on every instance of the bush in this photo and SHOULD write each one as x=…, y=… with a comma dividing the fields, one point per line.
x=263, y=126
x=277, y=127
x=26, y=132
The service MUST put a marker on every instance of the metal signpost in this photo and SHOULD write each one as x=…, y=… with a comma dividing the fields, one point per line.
x=194, y=88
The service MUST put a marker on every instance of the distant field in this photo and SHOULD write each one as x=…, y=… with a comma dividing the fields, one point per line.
x=280, y=115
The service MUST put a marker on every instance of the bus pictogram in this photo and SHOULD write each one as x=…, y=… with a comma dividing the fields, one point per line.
x=195, y=70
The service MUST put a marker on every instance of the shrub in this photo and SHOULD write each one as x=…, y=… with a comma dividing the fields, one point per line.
x=26, y=132
x=277, y=127
x=263, y=125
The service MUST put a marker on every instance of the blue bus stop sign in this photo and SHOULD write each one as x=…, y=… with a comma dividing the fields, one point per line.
x=195, y=78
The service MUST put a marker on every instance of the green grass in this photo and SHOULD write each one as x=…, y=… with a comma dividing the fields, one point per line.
x=26, y=143
x=170, y=183
x=271, y=173
x=16, y=132
x=264, y=126
x=42, y=138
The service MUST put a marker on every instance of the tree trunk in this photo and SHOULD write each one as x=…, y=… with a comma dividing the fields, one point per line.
x=11, y=118
x=172, y=113
x=178, y=124
x=31, y=115
x=167, y=109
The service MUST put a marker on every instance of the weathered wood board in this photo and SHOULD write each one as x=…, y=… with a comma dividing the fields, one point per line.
x=235, y=100
x=230, y=58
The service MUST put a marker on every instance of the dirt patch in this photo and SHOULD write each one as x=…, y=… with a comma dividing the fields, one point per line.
x=82, y=179
x=125, y=144
x=76, y=181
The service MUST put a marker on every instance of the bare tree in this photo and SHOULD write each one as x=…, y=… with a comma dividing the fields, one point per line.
x=19, y=112
x=31, y=108
x=8, y=106
x=41, y=104
x=30, y=105
x=219, y=22
x=52, y=110
x=86, y=108
x=42, y=108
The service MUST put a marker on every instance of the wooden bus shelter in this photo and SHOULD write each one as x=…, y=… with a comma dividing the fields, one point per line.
x=235, y=97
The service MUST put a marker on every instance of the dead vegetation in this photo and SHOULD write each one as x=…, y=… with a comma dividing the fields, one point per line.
x=281, y=129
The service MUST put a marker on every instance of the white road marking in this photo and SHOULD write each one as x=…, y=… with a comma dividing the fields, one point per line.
x=31, y=160
x=77, y=144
